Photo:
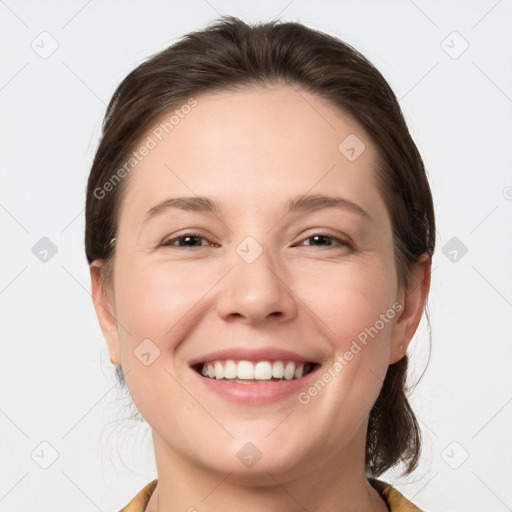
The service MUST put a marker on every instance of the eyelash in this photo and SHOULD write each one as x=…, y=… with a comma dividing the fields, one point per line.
x=339, y=241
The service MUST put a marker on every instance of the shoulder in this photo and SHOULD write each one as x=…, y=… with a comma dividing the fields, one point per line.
x=395, y=501
x=139, y=502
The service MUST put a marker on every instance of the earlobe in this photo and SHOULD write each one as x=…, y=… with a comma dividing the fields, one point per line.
x=105, y=312
x=413, y=299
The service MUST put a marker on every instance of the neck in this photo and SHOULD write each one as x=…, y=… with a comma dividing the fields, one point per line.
x=333, y=485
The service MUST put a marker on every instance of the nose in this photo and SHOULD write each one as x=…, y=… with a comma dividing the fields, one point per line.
x=256, y=292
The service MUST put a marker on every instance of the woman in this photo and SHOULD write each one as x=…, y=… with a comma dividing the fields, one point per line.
x=259, y=229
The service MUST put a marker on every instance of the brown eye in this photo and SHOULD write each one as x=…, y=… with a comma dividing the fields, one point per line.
x=187, y=240
x=327, y=240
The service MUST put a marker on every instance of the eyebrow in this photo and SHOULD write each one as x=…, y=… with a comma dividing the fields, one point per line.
x=300, y=203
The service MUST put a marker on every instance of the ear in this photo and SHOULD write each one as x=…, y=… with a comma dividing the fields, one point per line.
x=105, y=311
x=413, y=300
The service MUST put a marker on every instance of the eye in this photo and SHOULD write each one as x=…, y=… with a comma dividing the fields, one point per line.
x=189, y=241
x=193, y=240
x=326, y=237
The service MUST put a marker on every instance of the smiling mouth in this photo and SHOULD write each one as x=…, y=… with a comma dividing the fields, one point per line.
x=248, y=372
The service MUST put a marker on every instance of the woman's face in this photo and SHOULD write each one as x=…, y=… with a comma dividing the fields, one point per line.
x=257, y=282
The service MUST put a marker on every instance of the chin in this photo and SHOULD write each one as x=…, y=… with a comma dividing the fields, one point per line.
x=258, y=460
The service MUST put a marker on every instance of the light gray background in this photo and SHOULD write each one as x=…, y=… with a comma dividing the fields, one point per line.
x=56, y=383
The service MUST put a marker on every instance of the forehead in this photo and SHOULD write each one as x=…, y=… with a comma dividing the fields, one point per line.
x=249, y=144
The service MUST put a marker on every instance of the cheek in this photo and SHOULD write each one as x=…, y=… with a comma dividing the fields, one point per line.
x=352, y=299
x=154, y=300
x=357, y=307
x=156, y=305
x=162, y=301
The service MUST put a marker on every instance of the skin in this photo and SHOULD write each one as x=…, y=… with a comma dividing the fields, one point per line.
x=307, y=295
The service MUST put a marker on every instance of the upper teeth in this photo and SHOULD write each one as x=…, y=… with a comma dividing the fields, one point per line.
x=249, y=370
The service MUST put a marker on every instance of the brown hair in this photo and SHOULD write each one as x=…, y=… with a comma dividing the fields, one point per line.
x=229, y=54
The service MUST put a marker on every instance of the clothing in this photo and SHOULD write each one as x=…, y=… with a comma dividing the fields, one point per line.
x=395, y=501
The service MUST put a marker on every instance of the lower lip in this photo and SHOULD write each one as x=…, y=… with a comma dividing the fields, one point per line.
x=258, y=392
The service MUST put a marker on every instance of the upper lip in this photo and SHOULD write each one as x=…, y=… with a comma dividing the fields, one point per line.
x=251, y=354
